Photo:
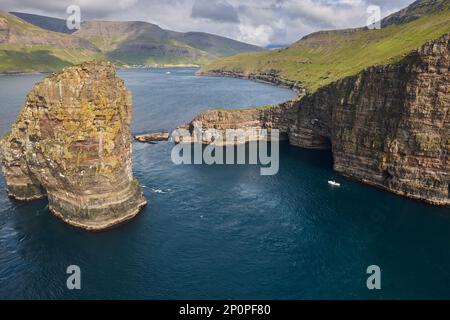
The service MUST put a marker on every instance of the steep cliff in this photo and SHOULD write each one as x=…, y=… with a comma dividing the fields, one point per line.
x=72, y=144
x=388, y=126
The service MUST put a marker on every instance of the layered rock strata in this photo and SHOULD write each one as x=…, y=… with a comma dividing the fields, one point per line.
x=72, y=144
x=388, y=126
x=250, y=121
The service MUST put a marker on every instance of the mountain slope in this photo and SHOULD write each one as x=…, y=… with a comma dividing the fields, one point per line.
x=27, y=48
x=145, y=43
x=139, y=43
x=324, y=57
x=47, y=23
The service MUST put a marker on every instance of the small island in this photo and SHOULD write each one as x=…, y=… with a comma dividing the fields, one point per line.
x=152, y=138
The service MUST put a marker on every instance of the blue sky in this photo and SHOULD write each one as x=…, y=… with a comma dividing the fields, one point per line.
x=260, y=22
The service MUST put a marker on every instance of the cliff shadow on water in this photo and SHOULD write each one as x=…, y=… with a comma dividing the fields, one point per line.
x=321, y=159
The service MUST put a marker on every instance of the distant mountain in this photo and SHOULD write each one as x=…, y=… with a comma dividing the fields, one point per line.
x=145, y=43
x=47, y=23
x=26, y=48
x=326, y=56
x=142, y=43
x=215, y=45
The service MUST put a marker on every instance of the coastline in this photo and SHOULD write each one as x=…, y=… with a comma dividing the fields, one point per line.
x=271, y=79
x=163, y=66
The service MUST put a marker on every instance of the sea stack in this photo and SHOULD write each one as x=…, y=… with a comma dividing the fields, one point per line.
x=71, y=143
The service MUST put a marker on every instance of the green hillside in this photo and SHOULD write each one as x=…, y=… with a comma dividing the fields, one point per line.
x=47, y=23
x=28, y=48
x=324, y=57
x=143, y=43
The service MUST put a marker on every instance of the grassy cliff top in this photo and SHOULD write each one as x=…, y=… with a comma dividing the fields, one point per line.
x=324, y=57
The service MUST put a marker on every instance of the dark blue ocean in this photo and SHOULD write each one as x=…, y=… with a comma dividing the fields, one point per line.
x=224, y=232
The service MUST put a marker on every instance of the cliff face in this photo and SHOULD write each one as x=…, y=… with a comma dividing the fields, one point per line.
x=324, y=57
x=72, y=144
x=389, y=126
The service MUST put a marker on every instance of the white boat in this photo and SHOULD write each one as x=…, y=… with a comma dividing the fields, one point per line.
x=168, y=72
x=334, y=183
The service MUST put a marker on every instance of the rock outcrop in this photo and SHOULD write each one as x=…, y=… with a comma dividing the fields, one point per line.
x=72, y=144
x=249, y=120
x=388, y=126
x=152, y=138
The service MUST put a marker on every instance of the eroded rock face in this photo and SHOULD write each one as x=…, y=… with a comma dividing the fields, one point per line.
x=152, y=137
x=72, y=144
x=269, y=77
x=388, y=126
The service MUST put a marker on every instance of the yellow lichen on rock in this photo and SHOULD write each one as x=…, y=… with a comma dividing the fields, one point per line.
x=72, y=143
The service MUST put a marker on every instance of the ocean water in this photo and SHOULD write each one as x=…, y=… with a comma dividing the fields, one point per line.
x=224, y=232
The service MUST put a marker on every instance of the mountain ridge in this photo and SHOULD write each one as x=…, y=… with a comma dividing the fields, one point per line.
x=28, y=48
x=128, y=43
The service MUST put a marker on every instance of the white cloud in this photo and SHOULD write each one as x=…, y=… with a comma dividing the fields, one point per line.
x=259, y=22
x=215, y=11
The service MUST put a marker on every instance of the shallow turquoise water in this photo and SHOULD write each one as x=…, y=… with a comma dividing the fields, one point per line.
x=224, y=231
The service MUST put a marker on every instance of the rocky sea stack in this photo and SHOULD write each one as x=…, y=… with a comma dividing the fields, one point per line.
x=72, y=144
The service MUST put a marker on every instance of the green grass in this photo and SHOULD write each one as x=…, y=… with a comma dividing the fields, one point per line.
x=326, y=57
x=29, y=61
x=40, y=58
x=144, y=58
x=18, y=57
x=148, y=45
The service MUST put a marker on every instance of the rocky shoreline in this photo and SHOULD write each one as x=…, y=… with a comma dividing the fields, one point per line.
x=387, y=126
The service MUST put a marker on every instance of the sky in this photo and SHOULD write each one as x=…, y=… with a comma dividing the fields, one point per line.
x=259, y=22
